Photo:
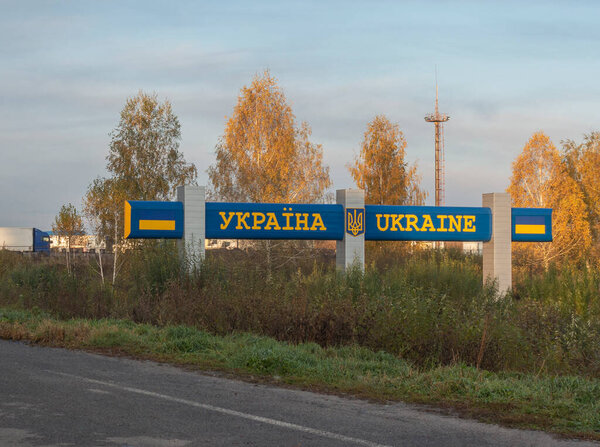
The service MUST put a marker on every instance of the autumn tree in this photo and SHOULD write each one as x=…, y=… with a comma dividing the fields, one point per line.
x=264, y=156
x=540, y=179
x=103, y=206
x=583, y=163
x=68, y=224
x=144, y=163
x=381, y=169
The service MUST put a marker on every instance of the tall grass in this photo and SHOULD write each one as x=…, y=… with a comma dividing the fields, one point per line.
x=564, y=404
x=427, y=307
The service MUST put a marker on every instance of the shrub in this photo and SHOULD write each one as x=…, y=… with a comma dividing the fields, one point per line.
x=427, y=307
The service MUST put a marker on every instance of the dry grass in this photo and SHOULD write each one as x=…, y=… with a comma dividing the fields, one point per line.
x=429, y=308
x=566, y=405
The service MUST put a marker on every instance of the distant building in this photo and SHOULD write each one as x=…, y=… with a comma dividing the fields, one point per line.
x=475, y=248
x=211, y=244
x=87, y=243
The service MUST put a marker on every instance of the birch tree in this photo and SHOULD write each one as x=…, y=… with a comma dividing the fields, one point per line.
x=104, y=204
x=264, y=156
x=540, y=179
x=144, y=151
x=381, y=169
x=583, y=162
x=68, y=224
x=143, y=162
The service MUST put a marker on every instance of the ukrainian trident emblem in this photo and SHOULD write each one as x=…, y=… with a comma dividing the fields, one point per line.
x=355, y=221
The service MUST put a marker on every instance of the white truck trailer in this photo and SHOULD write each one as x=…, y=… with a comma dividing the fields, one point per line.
x=24, y=239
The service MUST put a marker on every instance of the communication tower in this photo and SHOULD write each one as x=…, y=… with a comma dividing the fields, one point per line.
x=438, y=119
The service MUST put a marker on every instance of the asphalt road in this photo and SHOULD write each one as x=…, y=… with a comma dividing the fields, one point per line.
x=56, y=397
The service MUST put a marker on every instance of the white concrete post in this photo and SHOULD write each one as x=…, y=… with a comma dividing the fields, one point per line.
x=497, y=254
x=191, y=246
x=351, y=250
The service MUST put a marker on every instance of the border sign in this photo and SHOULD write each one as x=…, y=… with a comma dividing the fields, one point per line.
x=349, y=222
x=427, y=223
x=531, y=224
x=274, y=221
x=153, y=220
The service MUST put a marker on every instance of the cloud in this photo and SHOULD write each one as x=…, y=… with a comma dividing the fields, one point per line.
x=504, y=73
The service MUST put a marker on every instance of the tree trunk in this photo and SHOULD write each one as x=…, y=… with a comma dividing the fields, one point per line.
x=100, y=264
x=68, y=255
x=269, y=260
x=115, y=251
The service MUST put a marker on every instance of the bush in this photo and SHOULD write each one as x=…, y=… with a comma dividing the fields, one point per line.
x=427, y=307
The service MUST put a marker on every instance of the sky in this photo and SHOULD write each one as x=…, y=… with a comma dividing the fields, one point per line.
x=505, y=70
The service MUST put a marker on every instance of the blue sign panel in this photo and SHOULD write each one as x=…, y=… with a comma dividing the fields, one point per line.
x=531, y=224
x=427, y=223
x=153, y=220
x=274, y=221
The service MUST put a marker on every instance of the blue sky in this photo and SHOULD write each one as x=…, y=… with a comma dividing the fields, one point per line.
x=505, y=70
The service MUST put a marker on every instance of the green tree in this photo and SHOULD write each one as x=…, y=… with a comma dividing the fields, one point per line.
x=540, y=179
x=381, y=169
x=263, y=155
x=144, y=163
x=103, y=206
x=144, y=150
x=68, y=224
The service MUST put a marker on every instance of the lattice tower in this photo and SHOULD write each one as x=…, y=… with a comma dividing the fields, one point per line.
x=438, y=119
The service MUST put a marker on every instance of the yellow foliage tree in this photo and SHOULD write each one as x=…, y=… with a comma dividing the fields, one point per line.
x=381, y=169
x=540, y=179
x=583, y=161
x=263, y=156
x=69, y=225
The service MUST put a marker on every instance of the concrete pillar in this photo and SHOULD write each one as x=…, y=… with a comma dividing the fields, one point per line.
x=191, y=246
x=351, y=250
x=497, y=254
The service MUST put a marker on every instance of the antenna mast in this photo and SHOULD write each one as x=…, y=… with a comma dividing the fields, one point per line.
x=438, y=119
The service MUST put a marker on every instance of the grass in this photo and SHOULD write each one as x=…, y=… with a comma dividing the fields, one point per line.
x=567, y=405
x=429, y=308
x=416, y=326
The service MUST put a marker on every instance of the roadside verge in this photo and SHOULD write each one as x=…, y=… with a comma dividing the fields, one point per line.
x=567, y=405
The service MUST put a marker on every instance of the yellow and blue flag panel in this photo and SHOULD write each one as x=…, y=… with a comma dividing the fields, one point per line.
x=153, y=220
x=531, y=224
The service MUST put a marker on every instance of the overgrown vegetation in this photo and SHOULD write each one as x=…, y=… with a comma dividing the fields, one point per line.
x=417, y=326
x=564, y=404
x=428, y=308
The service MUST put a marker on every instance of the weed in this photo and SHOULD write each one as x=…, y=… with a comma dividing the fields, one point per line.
x=564, y=404
x=427, y=307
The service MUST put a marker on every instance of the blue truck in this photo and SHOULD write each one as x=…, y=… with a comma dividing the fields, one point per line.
x=24, y=239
